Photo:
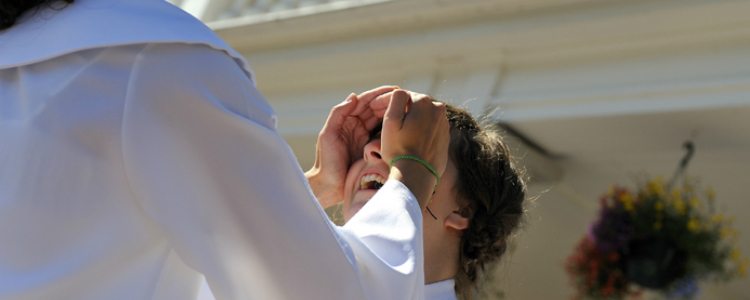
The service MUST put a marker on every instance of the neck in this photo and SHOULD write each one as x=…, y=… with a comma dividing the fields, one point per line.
x=441, y=258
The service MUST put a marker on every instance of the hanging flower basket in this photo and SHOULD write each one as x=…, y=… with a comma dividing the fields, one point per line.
x=657, y=240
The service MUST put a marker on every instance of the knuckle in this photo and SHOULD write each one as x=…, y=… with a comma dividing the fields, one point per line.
x=417, y=97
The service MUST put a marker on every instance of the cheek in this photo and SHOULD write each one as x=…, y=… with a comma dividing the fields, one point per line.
x=350, y=186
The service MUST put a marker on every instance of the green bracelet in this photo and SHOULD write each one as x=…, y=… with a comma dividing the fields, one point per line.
x=421, y=161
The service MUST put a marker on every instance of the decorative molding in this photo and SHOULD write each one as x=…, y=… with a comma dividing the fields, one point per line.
x=701, y=79
x=341, y=20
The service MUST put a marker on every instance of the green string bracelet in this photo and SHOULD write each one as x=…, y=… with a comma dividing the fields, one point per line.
x=421, y=161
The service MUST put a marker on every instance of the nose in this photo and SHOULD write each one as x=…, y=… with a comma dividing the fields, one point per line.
x=372, y=151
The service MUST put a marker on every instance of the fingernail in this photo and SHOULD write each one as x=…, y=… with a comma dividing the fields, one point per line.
x=350, y=98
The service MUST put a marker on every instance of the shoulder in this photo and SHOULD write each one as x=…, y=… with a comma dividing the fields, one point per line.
x=199, y=74
x=106, y=23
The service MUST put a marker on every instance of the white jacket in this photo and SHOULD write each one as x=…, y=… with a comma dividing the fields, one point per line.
x=136, y=155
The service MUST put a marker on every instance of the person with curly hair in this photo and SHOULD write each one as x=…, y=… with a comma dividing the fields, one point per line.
x=473, y=213
x=137, y=158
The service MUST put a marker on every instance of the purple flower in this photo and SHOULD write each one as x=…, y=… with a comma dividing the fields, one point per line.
x=684, y=289
x=613, y=229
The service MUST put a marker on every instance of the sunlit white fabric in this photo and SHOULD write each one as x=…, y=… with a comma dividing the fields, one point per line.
x=129, y=168
x=89, y=24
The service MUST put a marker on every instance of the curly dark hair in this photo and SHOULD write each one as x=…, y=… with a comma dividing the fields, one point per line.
x=492, y=191
x=11, y=10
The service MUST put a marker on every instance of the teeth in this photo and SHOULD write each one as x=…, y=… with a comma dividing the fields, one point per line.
x=370, y=178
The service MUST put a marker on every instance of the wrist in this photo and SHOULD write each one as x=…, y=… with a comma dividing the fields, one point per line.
x=326, y=194
x=415, y=176
x=313, y=177
x=421, y=161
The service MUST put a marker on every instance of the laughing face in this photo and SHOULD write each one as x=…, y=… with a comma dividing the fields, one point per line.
x=365, y=177
x=368, y=174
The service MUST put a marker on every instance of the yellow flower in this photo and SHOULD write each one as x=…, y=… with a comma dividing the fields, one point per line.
x=710, y=193
x=627, y=201
x=694, y=203
x=742, y=268
x=625, y=197
x=657, y=225
x=676, y=194
x=655, y=186
x=693, y=225
x=717, y=218
x=659, y=206
x=679, y=205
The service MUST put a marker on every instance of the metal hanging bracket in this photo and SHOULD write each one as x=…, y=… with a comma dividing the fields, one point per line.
x=688, y=145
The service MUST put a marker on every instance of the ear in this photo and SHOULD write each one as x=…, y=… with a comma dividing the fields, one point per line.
x=456, y=221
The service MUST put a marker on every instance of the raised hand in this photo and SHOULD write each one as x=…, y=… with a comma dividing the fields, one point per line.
x=340, y=143
x=414, y=125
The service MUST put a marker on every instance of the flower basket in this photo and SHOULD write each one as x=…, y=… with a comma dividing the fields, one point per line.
x=651, y=239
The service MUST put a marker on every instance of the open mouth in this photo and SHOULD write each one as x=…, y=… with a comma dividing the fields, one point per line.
x=371, y=182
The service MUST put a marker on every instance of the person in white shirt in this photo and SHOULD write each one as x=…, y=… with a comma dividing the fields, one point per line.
x=137, y=157
x=475, y=209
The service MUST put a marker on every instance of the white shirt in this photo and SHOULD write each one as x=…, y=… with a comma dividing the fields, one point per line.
x=441, y=290
x=136, y=154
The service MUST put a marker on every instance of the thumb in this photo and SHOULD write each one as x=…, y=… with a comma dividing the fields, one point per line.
x=397, y=108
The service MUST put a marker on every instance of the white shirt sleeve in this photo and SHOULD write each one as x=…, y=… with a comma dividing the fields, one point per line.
x=204, y=161
x=386, y=235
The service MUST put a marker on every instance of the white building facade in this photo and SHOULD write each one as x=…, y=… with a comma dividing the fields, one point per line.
x=593, y=92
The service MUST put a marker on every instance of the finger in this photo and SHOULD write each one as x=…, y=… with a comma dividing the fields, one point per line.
x=366, y=115
x=396, y=110
x=372, y=94
x=366, y=97
x=380, y=104
x=341, y=111
x=372, y=122
x=420, y=108
x=425, y=116
x=441, y=108
x=421, y=99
